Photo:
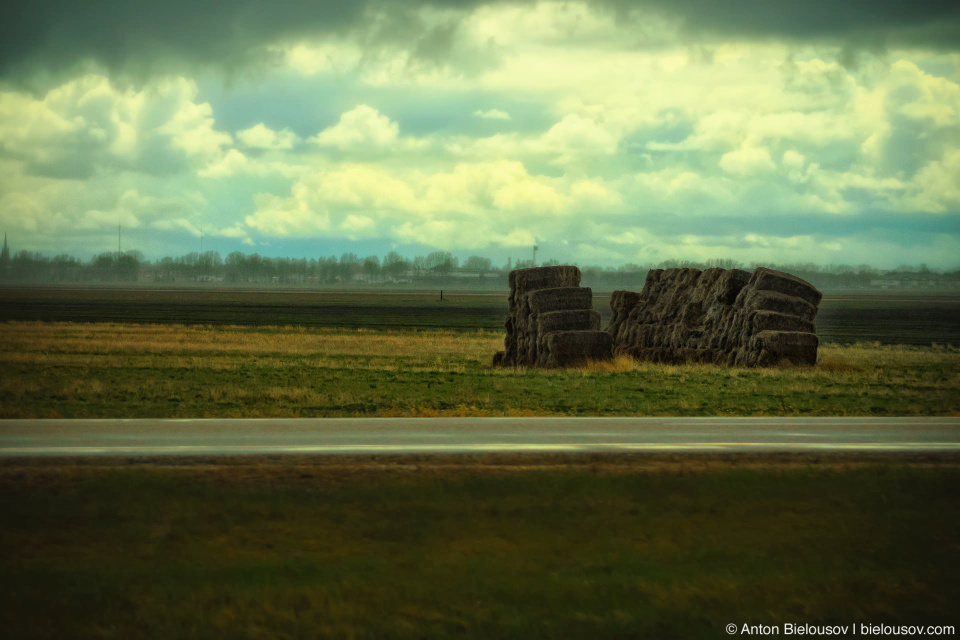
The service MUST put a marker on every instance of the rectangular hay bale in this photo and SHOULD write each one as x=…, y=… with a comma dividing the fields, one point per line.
x=534, y=278
x=765, y=279
x=568, y=320
x=572, y=348
x=560, y=299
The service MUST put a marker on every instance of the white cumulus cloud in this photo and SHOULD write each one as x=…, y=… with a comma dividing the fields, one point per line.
x=363, y=127
x=492, y=114
x=261, y=136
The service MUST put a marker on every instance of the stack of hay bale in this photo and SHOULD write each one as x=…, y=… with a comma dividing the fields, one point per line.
x=552, y=322
x=724, y=316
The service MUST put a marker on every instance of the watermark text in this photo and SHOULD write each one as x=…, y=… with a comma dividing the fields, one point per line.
x=855, y=629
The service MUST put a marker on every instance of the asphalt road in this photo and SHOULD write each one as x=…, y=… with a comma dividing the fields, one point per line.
x=472, y=435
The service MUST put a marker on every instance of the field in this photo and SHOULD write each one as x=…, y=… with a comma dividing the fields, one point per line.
x=433, y=547
x=251, y=307
x=913, y=319
x=105, y=370
x=397, y=548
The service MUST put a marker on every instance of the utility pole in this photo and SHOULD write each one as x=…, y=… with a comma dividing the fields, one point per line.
x=535, y=247
x=119, y=250
x=201, y=241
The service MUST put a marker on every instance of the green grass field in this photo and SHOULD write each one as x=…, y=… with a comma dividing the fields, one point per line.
x=108, y=370
x=336, y=549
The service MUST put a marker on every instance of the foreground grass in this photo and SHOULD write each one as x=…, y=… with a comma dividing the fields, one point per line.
x=326, y=549
x=128, y=370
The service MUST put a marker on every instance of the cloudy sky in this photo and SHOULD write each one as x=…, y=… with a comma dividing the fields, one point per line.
x=605, y=132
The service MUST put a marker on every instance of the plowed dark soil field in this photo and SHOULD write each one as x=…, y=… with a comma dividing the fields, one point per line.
x=888, y=319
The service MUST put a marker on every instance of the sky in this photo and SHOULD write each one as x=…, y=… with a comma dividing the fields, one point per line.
x=605, y=133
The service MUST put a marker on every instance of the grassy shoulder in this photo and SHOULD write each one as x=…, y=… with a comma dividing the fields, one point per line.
x=330, y=549
x=105, y=370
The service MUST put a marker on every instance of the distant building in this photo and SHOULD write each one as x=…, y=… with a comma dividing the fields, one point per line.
x=5, y=258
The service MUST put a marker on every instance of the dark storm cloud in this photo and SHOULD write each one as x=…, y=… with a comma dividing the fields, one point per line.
x=140, y=36
x=866, y=23
x=137, y=35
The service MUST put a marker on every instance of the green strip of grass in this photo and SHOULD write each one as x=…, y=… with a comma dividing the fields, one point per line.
x=329, y=552
x=297, y=389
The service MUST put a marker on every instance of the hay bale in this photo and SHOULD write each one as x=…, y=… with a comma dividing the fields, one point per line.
x=764, y=279
x=560, y=299
x=717, y=315
x=536, y=278
x=569, y=320
x=766, y=320
x=573, y=348
x=727, y=316
x=792, y=346
x=757, y=300
x=728, y=286
x=621, y=304
x=537, y=292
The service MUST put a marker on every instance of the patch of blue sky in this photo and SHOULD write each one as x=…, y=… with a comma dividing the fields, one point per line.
x=279, y=101
x=308, y=105
x=897, y=228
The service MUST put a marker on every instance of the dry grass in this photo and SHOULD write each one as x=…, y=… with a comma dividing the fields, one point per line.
x=130, y=339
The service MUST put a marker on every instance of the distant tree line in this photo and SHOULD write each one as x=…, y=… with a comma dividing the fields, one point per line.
x=437, y=269
x=241, y=268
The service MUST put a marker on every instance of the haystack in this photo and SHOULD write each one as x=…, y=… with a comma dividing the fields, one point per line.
x=551, y=322
x=724, y=316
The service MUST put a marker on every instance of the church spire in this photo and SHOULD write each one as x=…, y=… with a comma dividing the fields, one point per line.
x=4, y=257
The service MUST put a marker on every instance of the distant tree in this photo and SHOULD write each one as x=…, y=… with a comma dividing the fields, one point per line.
x=27, y=266
x=679, y=264
x=233, y=267
x=477, y=264
x=209, y=264
x=104, y=267
x=349, y=267
x=255, y=268
x=419, y=266
x=328, y=269
x=441, y=262
x=65, y=268
x=395, y=265
x=371, y=267
x=238, y=267
x=724, y=263
x=127, y=266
